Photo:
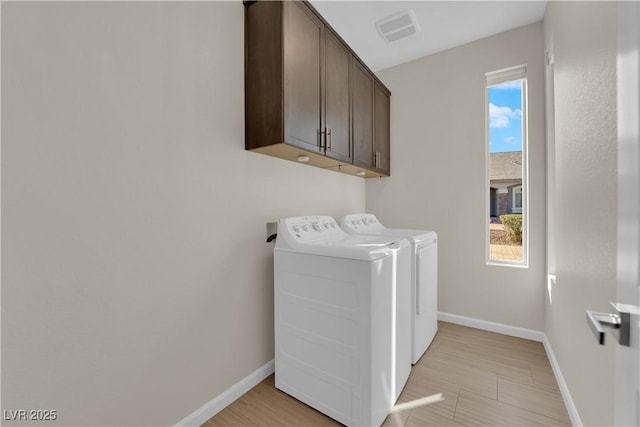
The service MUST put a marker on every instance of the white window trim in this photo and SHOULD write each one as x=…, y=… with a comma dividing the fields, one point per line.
x=492, y=79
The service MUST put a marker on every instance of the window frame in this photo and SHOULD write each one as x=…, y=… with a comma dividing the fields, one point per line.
x=496, y=78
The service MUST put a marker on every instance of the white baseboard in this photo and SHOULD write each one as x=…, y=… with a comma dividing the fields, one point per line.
x=529, y=334
x=568, y=401
x=499, y=328
x=218, y=403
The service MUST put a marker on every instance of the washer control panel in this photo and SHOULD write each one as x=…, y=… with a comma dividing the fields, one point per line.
x=310, y=228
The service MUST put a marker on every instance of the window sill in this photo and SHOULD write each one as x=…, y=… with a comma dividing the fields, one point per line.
x=499, y=263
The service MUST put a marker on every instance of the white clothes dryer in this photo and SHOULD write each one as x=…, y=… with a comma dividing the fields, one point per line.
x=335, y=318
x=424, y=275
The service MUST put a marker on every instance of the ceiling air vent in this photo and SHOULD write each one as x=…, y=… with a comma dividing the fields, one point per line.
x=397, y=26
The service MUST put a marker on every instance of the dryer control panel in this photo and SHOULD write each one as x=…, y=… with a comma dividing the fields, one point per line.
x=310, y=228
x=361, y=223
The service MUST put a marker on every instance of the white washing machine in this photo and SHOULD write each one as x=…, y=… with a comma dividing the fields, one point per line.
x=336, y=296
x=424, y=275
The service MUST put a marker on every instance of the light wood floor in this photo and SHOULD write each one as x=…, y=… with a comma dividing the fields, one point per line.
x=482, y=378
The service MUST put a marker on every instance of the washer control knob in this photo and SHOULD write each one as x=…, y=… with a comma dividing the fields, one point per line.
x=296, y=229
x=316, y=226
x=305, y=227
x=326, y=225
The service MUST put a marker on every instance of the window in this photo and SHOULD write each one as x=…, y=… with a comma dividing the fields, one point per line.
x=506, y=167
x=516, y=202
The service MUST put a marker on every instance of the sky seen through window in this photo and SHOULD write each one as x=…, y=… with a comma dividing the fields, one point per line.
x=505, y=117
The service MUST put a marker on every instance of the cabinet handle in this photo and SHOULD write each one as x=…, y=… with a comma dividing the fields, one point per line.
x=320, y=135
x=330, y=138
x=325, y=133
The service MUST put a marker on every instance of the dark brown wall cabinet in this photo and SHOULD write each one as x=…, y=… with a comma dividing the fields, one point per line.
x=308, y=96
x=381, y=132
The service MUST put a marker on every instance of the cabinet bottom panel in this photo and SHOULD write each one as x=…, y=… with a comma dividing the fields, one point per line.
x=289, y=152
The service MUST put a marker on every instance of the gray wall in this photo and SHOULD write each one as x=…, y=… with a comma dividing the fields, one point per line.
x=584, y=207
x=136, y=283
x=438, y=166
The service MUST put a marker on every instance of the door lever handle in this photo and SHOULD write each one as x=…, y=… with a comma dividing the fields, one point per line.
x=619, y=321
x=597, y=320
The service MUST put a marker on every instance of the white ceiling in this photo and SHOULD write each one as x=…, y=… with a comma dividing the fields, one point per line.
x=444, y=24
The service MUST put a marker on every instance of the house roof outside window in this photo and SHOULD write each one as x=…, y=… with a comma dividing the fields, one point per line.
x=505, y=166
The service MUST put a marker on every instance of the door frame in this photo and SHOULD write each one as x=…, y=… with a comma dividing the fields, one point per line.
x=627, y=391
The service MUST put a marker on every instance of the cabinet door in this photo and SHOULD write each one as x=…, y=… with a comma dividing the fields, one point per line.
x=337, y=67
x=381, y=134
x=362, y=116
x=303, y=45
